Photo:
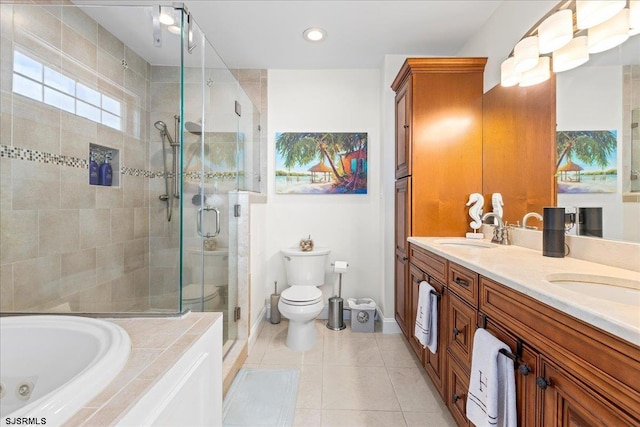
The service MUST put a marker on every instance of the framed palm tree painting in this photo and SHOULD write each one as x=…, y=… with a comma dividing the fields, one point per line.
x=586, y=161
x=321, y=163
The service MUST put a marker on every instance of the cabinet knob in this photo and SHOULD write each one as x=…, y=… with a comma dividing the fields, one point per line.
x=542, y=383
x=406, y=126
x=524, y=370
x=404, y=258
x=456, y=331
x=455, y=398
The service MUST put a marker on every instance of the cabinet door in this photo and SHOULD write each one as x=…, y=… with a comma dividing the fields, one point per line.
x=403, y=215
x=456, y=399
x=402, y=292
x=567, y=402
x=417, y=276
x=462, y=326
x=526, y=373
x=403, y=130
x=435, y=363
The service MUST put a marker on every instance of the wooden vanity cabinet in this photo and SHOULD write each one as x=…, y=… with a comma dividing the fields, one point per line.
x=402, y=230
x=431, y=268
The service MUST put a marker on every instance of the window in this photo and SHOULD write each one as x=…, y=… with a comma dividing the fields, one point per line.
x=39, y=82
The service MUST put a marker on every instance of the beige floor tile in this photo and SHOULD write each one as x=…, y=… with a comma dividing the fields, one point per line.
x=352, y=350
x=429, y=419
x=412, y=389
x=307, y=418
x=310, y=387
x=358, y=387
x=396, y=352
x=333, y=418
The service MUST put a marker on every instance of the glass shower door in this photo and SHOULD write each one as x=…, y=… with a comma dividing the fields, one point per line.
x=208, y=195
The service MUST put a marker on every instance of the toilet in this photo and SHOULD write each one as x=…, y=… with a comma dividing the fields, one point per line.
x=302, y=302
x=215, y=279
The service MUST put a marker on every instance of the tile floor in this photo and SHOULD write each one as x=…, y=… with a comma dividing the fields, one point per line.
x=354, y=379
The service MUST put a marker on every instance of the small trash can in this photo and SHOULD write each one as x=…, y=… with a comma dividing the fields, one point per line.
x=363, y=313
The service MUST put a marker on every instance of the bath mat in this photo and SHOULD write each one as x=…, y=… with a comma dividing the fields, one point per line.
x=261, y=397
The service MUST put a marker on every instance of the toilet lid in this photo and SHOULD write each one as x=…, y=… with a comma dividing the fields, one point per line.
x=301, y=293
x=193, y=291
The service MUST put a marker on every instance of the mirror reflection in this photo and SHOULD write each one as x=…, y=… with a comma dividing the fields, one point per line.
x=598, y=141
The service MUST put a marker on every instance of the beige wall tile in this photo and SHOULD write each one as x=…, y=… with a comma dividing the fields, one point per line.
x=248, y=76
x=18, y=235
x=81, y=23
x=164, y=74
x=95, y=228
x=123, y=293
x=141, y=283
x=76, y=135
x=108, y=137
x=133, y=191
x=39, y=22
x=35, y=125
x=76, y=193
x=135, y=255
x=135, y=62
x=6, y=46
x=96, y=299
x=36, y=282
x=121, y=224
x=35, y=185
x=108, y=197
x=6, y=202
x=110, y=43
x=6, y=287
x=78, y=47
x=140, y=223
x=135, y=153
x=165, y=97
x=77, y=271
x=58, y=231
x=109, y=262
x=110, y=67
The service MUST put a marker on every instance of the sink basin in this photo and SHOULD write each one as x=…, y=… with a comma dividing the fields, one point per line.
x=468, y=243
x=605, y=288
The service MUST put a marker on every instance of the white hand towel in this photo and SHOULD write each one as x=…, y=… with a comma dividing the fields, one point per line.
x=492, y=387
x=426, y=327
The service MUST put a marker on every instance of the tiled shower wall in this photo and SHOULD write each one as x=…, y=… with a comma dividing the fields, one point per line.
x=65, y=244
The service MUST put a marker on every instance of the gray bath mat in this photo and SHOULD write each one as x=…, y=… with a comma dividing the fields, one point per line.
x=261, y=397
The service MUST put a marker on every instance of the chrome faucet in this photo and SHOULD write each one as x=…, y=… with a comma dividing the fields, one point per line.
x=525, y=218
x=500, y=232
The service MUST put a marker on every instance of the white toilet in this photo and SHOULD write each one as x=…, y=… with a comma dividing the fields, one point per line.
x=215, y=279
x=302, y=302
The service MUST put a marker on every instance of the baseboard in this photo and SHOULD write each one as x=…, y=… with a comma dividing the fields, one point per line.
x=257, y=327
x=389, y=324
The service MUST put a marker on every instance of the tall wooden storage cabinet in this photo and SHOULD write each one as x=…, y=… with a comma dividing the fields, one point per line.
x=438, y=155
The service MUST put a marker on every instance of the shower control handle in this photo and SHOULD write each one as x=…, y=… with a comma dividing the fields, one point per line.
x=199, y=221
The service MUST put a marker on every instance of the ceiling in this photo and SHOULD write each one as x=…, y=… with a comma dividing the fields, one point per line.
x=268, y=33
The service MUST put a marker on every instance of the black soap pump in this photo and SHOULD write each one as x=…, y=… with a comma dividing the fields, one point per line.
x=553, y=232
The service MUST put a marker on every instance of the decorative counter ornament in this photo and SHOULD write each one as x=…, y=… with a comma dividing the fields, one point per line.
x=476, y=201
x=306, y=245
x=497, y=204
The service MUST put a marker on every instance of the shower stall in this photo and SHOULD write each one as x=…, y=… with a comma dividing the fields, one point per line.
x=143, y=87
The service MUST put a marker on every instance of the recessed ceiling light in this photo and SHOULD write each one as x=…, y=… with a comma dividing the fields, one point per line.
x=314, y=34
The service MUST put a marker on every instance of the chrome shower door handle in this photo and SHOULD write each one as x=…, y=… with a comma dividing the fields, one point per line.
x=199, y=221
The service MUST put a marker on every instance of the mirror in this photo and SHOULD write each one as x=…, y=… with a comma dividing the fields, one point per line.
x=602, y=95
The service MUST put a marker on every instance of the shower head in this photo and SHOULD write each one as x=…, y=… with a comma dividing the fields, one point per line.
x=193, y=128
x=162, y=127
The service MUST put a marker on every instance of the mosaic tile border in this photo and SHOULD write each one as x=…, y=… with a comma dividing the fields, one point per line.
x=18, y=153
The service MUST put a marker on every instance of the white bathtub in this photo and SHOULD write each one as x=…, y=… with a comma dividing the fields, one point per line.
x=59, y=363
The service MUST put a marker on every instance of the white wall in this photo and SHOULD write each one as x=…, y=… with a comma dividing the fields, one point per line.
x=583, y=105
x=327, y=101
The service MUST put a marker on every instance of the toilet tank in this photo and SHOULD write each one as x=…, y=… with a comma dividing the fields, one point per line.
x=305, y=268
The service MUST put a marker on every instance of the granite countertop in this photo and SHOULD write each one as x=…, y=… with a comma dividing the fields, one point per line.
x=524, y=270
x=156, y=345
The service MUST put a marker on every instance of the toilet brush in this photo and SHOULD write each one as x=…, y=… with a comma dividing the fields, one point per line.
x=275, y=298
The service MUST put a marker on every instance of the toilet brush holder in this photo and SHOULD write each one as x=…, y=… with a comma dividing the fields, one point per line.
x=336, y=310
x=275, y=299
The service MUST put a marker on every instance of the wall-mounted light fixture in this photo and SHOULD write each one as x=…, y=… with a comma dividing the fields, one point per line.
x=555, y=42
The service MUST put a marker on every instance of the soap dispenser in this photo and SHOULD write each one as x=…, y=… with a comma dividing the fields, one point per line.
x=94, y=177
x=106, y=172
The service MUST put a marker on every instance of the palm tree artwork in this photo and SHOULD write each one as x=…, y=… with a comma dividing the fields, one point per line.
x=586, y=161
x=321, y=163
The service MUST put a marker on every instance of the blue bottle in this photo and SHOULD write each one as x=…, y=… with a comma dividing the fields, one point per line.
x=106, y=172
x=94, y=177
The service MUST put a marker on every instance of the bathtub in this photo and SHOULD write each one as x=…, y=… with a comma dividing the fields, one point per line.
x=50, y=366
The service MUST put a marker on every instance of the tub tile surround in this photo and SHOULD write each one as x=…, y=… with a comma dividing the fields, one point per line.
x=156, y=344
x=524, y=270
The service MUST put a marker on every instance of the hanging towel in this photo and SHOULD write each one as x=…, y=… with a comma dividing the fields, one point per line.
x=492, y=387
x=426, y=328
